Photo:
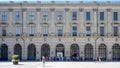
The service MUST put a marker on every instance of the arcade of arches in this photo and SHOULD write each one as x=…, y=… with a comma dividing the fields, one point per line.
x=75, y=51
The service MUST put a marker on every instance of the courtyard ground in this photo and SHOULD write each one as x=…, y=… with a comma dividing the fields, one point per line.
x=61, y=65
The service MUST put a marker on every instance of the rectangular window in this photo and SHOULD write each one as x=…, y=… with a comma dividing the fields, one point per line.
x=18, y=15
x=74, y=30
x=101, y=15
x=3, y=31
x=74, y=15
x=115, y=31
x=88, y=31
x=4, y=16
x=18, y=30
x=115, y=16
x=60, y=30
x=32, y=30
x=31, y=16
x=101, y=30
x=87, y=15
x=59, y=15
x=45, y=31
x=45, y=16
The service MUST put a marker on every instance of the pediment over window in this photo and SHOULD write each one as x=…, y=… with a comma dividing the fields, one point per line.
x=4, y=23
x=59, y=24
x=45, y=24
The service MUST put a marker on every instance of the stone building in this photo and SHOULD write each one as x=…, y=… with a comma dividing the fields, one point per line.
x=83, y=30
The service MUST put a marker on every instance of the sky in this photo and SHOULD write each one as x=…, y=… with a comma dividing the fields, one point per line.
x=56, y=0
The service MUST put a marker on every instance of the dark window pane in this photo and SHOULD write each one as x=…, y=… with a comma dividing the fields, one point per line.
x=115, y=15
x=87, y=15
x=101, y=15
x=74, y=16
x=115, y=31
x=102, y=31
x=74, y=30
x=88, y=31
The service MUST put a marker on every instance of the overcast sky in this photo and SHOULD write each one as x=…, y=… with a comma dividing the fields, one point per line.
x=54, y=0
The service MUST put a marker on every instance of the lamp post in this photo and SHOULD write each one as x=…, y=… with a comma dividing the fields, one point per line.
x=22, y=30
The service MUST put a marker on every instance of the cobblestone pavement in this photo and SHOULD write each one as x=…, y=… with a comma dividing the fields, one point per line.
x=61, y=65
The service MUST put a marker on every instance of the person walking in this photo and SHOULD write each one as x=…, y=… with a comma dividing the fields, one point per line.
x=43, y=61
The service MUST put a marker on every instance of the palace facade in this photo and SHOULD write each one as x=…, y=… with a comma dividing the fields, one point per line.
x=68, y=30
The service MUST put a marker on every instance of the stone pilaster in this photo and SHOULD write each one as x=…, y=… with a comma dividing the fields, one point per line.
x=38, y=52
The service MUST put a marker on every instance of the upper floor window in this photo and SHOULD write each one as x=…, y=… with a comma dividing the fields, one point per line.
x=74, y=30
x=18, y=30
x=45, y=30
x=3, y=30
x=115, y=28
x=115, y=16
x=101, y=30
x=74, y=15
x=31, y=16
x=4, y=16
x=32, y=30
x=88, y=31
x=87, y=15
x=45, y=15
x=18, y=15
x=60, y=30
x=101, y=15
x=59, y=15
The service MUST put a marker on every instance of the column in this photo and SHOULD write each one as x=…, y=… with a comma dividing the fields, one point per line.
x=25, y=28
x=109, y=20
x=67, y=50
x=10, y=50
x=24, y=51
x=38, y=52
x=81, y=51
x=10, y=21
x=52, y=50
x=82, y=27
x=67, y=26
x=109, y=52
x=52, y=22
x=95, y=21
x=38, y=28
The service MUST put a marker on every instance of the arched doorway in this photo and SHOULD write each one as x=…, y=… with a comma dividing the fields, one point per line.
x=45, y=50
x=4, y=52
x=31, y=52
x=60, y=50
x=88, y=52
x=116, y=52
x=74, y=51
x=102, y=50
x=18, y=50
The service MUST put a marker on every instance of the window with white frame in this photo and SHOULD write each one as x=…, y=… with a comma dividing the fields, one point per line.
x=88, y=31
x=45, y=16
x=32, y=30
x=45, y=30
x=74, y=30
x=18, y=30
x=115, y=28
x=4, y=16
x=31, y=15
x=102, y=30
x=88, y=15
x=59, y=15
x=74, y=15
x=18, y=15
x=4, y=31
x=60, y=30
